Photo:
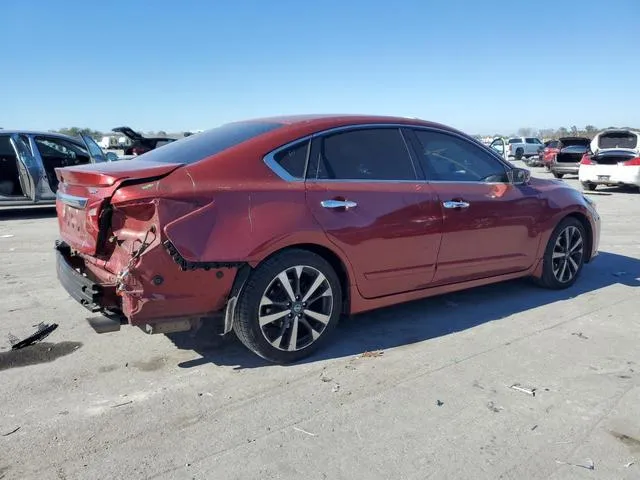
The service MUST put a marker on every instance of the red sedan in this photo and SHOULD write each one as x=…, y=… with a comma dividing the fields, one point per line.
x=282, y=225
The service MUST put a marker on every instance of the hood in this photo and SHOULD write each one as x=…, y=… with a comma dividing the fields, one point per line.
x=621, y=140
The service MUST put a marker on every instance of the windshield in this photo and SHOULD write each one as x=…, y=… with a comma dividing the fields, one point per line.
x=618, y=140
x=197, y=147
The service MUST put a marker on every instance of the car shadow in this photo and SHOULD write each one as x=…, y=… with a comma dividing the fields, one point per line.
x=21, y=213
x=422, y=320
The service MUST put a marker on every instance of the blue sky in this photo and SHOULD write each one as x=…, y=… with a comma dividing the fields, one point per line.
x=482, y=66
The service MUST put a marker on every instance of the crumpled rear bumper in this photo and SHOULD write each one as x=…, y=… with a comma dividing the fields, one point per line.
x=91, y=295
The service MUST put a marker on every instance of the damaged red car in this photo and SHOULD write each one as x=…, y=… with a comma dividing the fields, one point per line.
x=279, y=226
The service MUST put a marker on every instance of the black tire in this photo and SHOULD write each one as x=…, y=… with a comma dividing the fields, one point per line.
x=589, y=186
x=519, y=153
x=549, y=277
x=558, y=175
x=263, y=278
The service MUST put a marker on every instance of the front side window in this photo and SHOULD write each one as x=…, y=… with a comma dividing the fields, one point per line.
x=449, y=158
x=530, y=140
x=375, y=154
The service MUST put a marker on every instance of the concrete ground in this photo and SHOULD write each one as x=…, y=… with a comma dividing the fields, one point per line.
x=437, y=403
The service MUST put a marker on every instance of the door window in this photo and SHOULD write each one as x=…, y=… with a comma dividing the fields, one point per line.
x=449, y=158
x=374, y=154
x=61, y=152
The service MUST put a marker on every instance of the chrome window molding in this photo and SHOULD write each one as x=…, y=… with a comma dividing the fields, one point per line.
x=269, y=159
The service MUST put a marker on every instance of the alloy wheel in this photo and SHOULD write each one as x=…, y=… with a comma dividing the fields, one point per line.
x=567, y=254
x=295, y=308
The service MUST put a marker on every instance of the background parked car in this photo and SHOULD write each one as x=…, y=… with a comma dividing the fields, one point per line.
x=524, y=147
x=28, y=161
x=550, y=148
x=569, y=152
x=614, y=160
x=282, y=225
x=139, y=143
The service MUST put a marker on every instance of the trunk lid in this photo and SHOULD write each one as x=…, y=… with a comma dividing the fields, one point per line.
x=83, y=196
x=616, y=140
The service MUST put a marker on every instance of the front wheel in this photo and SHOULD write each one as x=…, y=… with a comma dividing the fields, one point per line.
x=564, y=256
x=589, y=186
x=558, y=175
x=289, y=306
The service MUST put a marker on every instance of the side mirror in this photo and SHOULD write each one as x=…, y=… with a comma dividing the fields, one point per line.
x=519, y=176
x=111, y=157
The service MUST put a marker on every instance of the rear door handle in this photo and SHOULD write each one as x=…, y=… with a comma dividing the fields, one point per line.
x=455, y=204
x=346, y=204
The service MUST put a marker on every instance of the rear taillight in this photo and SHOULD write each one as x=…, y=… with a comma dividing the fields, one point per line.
x=586, y=160
x=93, y=216
x=634, y=162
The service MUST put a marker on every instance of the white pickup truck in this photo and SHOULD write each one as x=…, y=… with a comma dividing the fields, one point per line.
x=526, y=147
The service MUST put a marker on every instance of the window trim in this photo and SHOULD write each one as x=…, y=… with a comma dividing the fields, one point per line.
x=269, y=158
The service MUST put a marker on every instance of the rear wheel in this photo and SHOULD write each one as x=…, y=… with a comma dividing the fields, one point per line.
x=558, y=175
x=519, y=153
x=589, y=186
x=289, y=306
x=564, y=255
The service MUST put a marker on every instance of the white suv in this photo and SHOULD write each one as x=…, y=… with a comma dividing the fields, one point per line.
x=524, y=147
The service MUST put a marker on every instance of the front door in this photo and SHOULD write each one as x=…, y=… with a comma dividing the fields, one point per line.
x=96, y=153
x=30, y=172
x=500, y=146
x=363, y=189
x=489, y=224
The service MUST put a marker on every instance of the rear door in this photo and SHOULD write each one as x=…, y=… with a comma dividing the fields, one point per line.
x=364, y=190
x=489, y=224
x=30, y=171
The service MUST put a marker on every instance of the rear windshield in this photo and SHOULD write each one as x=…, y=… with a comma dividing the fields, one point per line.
x=202, y=145
x=618, y=140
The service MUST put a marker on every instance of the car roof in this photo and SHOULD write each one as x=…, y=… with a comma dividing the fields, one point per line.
x=39, y=132
x=322, y=120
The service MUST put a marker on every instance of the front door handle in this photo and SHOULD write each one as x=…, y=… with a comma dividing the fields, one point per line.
x=455, y=204
x=346, y=204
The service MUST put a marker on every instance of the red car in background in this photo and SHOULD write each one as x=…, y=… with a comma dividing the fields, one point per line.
x=551, y=148
x=282, y=225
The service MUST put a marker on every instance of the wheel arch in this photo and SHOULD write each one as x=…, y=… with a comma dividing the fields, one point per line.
x=586, y=224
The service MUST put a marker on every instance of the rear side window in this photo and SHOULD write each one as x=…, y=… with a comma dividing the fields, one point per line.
x=365, y=154
x=293, y=159
x=515, y=140
x=197, y=147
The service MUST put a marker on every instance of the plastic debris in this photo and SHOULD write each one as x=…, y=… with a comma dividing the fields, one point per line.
x=627, y=465
x=580, y=335
x=528, y=391
x=122, y=404
x=589, y=465
x=305, y=432
x=439, y=403
x=42, y=331
x=11, y=432
x=336, y=388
